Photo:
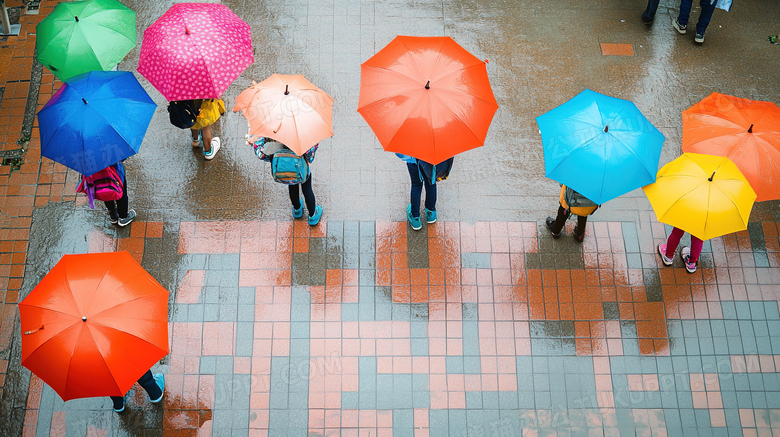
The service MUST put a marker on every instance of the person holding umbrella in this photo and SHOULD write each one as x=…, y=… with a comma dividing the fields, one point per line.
x=210, y=111
x=571, y=202
x=154, y=386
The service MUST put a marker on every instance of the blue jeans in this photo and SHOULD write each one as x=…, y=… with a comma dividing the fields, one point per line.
x=652, y=6
x=417, y=186
x=148, y=383
x=707, y=8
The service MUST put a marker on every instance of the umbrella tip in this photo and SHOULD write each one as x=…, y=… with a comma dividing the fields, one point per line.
x=186, y=30
x=286, y=90
x=84, y=100
x=606, y=128
x=750, y=130
x=428, y=85
x=84, y=318
x=76, y=17
x=710, y=178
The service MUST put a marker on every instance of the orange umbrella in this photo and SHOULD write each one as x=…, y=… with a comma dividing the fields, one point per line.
x=289, y=109
x=745, y=131
x=426, y=97
x=94, y=324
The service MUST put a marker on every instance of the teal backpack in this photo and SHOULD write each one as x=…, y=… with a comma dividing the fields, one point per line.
x=289, y=168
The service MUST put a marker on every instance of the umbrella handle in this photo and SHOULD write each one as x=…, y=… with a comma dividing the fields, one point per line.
x=33, y=331
x=710, y=178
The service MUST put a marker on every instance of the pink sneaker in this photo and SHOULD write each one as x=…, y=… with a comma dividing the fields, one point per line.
x=690, y=267
x=662, y=251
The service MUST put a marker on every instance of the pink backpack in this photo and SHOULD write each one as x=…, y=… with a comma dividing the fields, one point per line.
x=105, y=185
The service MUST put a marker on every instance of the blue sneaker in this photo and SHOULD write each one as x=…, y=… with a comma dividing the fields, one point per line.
x=160, y=380
x=298, y=213
x=119, y=410
x=430, y=216
x=314, y=219
x=414, y=221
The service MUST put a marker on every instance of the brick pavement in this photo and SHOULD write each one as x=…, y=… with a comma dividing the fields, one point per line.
x=360, y=326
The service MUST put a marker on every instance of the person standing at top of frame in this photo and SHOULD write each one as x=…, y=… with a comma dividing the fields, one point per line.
x=680, y=23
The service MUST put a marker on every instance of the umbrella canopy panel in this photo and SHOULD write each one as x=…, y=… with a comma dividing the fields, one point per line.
x=745, y=131
x=601, y=146
x=95, y=120
x=78, y=37
x=195, y=51
x=94, y=324
x=426, y=97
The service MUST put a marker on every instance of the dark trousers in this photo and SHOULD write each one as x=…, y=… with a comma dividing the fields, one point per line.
x=308, y=196
x=561, y=220
x=652, y=6
x=417, y=186
x=118, y=208
x=148, y=383
x=707, y=9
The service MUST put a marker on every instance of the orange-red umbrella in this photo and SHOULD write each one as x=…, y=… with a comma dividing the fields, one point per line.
x=745, y=131
x=94, y=324
x=289, y=109
x=426, y=97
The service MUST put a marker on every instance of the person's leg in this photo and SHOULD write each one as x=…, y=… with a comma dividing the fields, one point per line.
x=149, y=384
x=685, y=12
x=673, y=241
x=195, y=137
x=295, y=196
x=560, y=220
x=649, y=14
x=111, y=207
x=579, y=230
x=206, y=139
x=696, y=246
x=308, y=196
x=416, y=191
x=707, y=9
x=430, y=196
x=122, y=204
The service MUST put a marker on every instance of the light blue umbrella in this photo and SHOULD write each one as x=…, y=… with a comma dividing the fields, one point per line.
x=96, y=119
x=601, y=146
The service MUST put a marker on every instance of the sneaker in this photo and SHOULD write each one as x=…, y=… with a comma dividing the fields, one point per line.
x=646, y=20
x=214, y=149
x=196, y=143
x=551, y=225
x=127, y=220
x=690, y=267
x=430, y=216
x=298, y=213
x=119, y=410
x=699, y=38
x=414, y=221
x=577, y=236
x=112, y=217
x=662, y=251
x=680, y=28
x=160, y=380
x=314, y=219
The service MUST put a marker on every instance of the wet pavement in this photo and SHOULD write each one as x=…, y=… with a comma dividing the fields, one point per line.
x=478, y=325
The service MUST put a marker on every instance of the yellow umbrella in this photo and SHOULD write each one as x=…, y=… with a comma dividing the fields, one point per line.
x=706, y=196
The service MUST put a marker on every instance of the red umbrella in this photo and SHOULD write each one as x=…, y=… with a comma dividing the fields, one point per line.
x=195, y=51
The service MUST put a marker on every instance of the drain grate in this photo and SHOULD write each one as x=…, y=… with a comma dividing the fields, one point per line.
x=12, y=158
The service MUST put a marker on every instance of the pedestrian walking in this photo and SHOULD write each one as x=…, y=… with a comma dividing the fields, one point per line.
x=118, y=211
x=649, y=14
x=689, y=254
x=154, y=386
x=681, y=22
x=110, y=186
x=423, y=174
x=571, y=202
x=210, y=111
x=293, y=171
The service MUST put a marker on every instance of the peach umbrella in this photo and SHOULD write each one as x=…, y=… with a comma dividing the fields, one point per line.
x=426, y=97
x=745, y=131
x=289, y=109
x=93, y=325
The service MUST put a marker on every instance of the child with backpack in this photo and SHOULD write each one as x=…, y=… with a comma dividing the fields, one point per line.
x=110, y=186
x=571, y=202
x=294, y=171
x=424, y=174
x=198, y=116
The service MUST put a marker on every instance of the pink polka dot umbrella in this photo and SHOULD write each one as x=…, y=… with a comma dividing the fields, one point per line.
x=195, y=51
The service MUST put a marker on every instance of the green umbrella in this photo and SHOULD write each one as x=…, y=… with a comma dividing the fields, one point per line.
x=78, y=37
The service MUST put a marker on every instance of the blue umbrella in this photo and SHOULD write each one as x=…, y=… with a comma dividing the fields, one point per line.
x=96, y=119
x=601, y=146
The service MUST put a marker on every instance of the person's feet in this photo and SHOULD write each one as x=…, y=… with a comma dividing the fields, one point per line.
x=127, y=220
x=662, y=251
x=550, y=223
x=119, y=410
x=699, y=38
x=577, y=236
x=679, y=27
x=314, y=219
x=646, y=19
x=413, y=221
x=430, y=216
x=215, y=145
x=112, y=216
x=690, y=267
x=196, y=142
x=160, y=380
x=298, y=213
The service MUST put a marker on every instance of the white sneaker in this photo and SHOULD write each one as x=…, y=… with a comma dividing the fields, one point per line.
x=214, y=149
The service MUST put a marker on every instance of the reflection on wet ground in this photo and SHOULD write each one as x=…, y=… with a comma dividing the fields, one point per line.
x=479, y=324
